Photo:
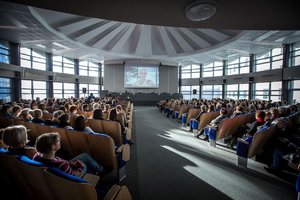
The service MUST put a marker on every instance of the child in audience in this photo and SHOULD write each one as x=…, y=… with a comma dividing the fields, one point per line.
x=48, y=144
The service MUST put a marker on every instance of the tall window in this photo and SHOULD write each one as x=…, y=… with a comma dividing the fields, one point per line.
x=186, y=92
x=211, y=91
x=269, y=60
x=268, y=91
x=186, y=71
x=87, y=68
x=33, y=89
x=25, y=56
x=295, y=54
x=32, y=59
x=63, y=65
x=295, y=91
x=68, y=66
x=4, y=52
x=5, y=89
x=212, y=69
x=90, y=88
x=63, y=90
x=237, y=91
x=238, y=66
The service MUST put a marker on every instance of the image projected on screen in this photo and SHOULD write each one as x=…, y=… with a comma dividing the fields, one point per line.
x=141, y=77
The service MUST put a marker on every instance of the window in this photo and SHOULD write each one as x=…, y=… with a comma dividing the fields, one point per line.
x=195, y=71
x=57, y=64
x=5, y=89
x=69, y=90
x=295, y=91
x=38, y=60
x=58, y=90
x=295, y=54
x=68, y=66
x=4, y=52
x=211, y=91
x=63, y=90
x=25, y=56
x=87, y=68
x=262, y=62
x=33, y=89
x=90, y=88
x=277, y=58
x=268, y=91
x=237, y=91
x=212, y=69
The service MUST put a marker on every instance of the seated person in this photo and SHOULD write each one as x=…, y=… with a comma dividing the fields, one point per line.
x=48, y=144
x=63, y=121
x=203, y=109
x=80, y=125
x=15, y=138
x=38, y=116
x=97, y=114
x=250, y=130
x=239, y=110
x=214, y=124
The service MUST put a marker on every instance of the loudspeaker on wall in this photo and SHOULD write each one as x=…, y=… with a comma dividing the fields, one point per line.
x=84, y=90
x=194, y=91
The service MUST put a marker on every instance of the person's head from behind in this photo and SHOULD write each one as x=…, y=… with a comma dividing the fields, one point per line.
x=260, y=115
x=79, y=124
x=64, y=119
x=47, y=142
x=16, y=110
x=15, y=136
x=274, y=112
x=223, y=111
x=113, y=114
x=203, y=108
x=38, y=113
x=97, y=114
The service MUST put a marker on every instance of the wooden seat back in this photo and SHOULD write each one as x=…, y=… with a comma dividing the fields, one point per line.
x=206, y=119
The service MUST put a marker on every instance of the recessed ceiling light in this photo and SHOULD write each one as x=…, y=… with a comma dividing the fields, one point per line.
x=200, y=10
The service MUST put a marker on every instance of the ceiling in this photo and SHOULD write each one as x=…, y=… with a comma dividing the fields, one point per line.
x=149, y=30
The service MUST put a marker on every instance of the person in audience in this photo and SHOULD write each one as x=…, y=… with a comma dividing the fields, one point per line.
x=203, y=109
x=73, y=114
x=80, y=125
x=15, y=138
x=47, y=146
x=24, y=115
x=16, y=110
x=97, y=114
x=239, y=110
x=6, y=111
x=38, y=116
x=214, y=124
x=274, y=116
x=63, y=121
x=249, y=131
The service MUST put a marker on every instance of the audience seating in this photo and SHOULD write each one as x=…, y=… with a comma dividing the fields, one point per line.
x=229, y=126
x=206, y=119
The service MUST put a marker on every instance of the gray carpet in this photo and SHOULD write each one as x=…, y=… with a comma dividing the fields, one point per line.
x=167, y=162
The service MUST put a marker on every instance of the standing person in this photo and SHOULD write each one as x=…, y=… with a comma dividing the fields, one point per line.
x=48, y=144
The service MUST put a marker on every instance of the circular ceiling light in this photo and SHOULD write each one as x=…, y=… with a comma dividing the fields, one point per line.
x=200, y=10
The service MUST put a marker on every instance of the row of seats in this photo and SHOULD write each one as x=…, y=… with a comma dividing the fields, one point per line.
x=33, y=180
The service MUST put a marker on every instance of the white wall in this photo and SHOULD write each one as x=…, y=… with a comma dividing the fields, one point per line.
x=114, y=79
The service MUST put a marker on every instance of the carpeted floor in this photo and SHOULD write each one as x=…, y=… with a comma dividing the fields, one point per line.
x=167, y=162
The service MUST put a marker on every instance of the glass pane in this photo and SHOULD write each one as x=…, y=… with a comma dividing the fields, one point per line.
x=262, y=86
x=296, y=96
x=276, y=85
x=232, y=87
x=39, y=84
x=57, y=86
x=26, y=84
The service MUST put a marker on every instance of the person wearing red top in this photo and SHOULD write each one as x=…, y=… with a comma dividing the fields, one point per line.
x=48, y=144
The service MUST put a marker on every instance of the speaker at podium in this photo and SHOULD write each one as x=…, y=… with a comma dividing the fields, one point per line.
x=194, y=91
